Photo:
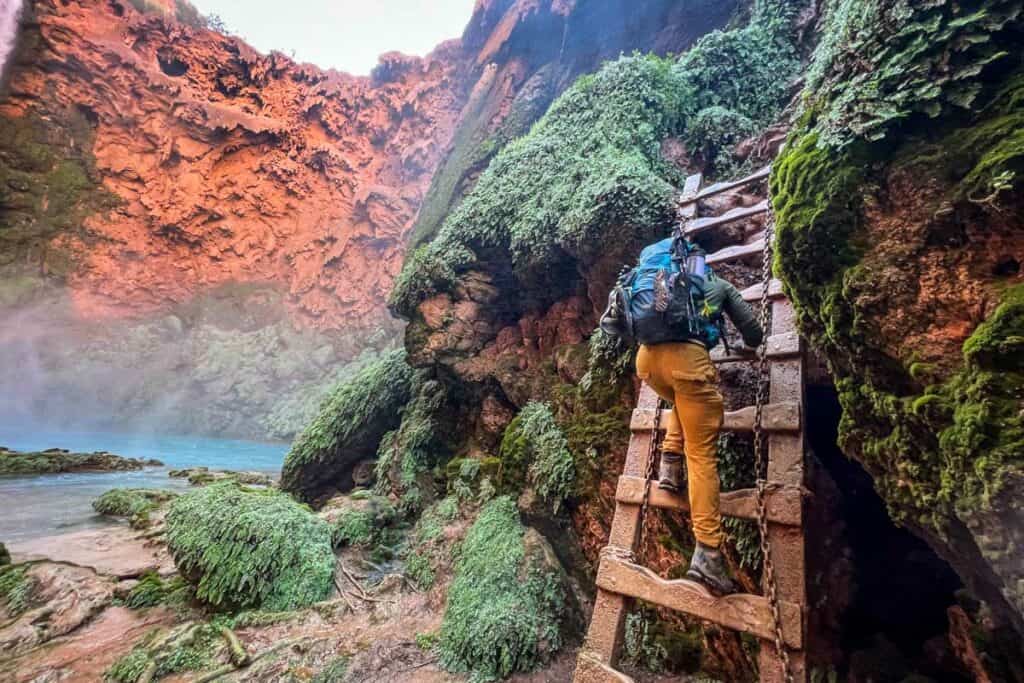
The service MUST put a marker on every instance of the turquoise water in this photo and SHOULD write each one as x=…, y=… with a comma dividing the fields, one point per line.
x=49, y=504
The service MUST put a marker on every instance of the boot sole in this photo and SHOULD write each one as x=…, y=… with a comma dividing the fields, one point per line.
x=665, y=486
x=713, y=588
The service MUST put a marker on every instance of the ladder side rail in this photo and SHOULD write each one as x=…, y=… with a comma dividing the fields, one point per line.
x=786, y=466
x=607, y=622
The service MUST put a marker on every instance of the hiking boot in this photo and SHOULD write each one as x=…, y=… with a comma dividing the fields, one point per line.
x=708, y=568
x=670, y=472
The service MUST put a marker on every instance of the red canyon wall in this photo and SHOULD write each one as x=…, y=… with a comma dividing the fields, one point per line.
x=228, y=165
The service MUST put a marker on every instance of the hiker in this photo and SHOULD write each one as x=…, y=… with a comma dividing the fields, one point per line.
x=672, y=305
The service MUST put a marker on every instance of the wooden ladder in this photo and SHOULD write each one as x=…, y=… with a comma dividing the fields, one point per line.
x=620, y=581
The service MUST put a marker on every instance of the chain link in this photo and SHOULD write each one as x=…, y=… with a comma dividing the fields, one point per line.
x=770, y=584
x=652, y=451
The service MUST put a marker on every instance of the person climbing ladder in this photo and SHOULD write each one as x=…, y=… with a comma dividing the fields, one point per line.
x=673, y=306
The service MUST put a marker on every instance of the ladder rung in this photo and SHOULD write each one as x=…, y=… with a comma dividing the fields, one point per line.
x=779, y=346
x=776, y=417
x=736, y=253
x=725, y=186
x=590, y=670
x=753, y=293
x=742, y=612
x=699, y=225
x=785, y=503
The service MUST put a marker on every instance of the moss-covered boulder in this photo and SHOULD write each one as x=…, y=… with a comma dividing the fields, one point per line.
x=898, y=201
x=135, y=505
x=509, y=607
x=348, y=429
x=244, y=548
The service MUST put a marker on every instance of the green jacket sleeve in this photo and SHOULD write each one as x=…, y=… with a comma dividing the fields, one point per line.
x=741, y=315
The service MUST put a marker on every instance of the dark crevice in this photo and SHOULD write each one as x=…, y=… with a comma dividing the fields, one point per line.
x=895, y=623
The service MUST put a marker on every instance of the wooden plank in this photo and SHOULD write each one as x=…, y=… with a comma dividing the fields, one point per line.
x=785, y=503
x=699, y=225
x=719, y=188
x=688, y=208
x=742, y=612
x=752, y=294
x=589, y=669
x=775, y=417
x=780, y=346
x=739, y=252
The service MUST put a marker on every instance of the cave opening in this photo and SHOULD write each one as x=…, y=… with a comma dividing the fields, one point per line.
x=172, y=66
x=895, y=622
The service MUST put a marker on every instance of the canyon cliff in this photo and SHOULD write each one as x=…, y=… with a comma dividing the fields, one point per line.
x=163, y=183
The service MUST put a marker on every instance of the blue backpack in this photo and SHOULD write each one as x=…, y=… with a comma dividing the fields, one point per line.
x=658, y=301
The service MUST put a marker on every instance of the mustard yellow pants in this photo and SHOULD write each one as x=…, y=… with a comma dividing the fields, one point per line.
x=683, y=374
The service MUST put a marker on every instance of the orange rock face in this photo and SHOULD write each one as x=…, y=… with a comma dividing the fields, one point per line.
x=228, y=165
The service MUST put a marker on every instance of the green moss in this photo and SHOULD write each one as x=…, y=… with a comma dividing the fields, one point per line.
x=358, y=412
x=190, y=647
x=880, y=65
x=427, y=544
x=365, y=526
x=48, y=180
x=409, y=458
x=534, y=450
x=250, y=549
x=151, y=590
x=16, y=588
x=420, y=571
x=333, y=672
x=128, y=668
x=134, y=504
x=505, y=607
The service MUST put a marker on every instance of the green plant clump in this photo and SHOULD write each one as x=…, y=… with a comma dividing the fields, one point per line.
x=407, y=455
x=190, y=647
x=506, y=607
x=534, y=442
x=16, y=588
x=349, y=427
x=245, y=548
x=134, y=504
x=364, y=526
x=151, y=590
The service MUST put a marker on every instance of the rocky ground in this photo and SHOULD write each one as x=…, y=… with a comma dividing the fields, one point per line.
x=57, y=460
x=70, y=610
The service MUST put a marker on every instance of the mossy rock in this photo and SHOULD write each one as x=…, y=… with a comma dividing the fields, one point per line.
x=509, y=607
x=243, y=548
x=135, y=505
x=349, y=428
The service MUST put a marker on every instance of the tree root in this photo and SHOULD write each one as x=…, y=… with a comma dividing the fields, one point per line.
x=236, y=651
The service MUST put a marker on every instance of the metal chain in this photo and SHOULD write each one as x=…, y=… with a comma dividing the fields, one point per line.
x=652, y=451
x=770, y=585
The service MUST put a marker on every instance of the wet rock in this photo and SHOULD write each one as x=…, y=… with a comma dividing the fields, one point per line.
x=200, y=476
x=59, y=598
x=58, y=460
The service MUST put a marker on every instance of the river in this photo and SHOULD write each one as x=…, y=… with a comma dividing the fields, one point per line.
x=47, y=504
